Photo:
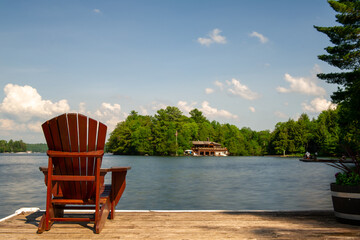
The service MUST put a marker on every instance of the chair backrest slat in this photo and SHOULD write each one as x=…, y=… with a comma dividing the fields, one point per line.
x=83, y=126
x=74, y=147
x=65, y=146
x=91, y=147
x=75, y=133
x=59, y=164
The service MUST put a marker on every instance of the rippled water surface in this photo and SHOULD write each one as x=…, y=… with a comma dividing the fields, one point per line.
x=192, y=183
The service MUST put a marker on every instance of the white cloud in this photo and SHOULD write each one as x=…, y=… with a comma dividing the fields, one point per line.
x=236, y=88
x=23, y=111
x=261, y=37
x=110, y=115
x=185, y=107
x=35, y=126
x=318, y=105
x=209, y=90
x=303, y=85
x=97, y=11
x=280, y=114
x=214, y=37
x=24, y=102
x=158, y=105
x=7, y=124
x=219, y=84
x=82, y=107
x=213, y=112
x=206, y=109
x=205, y=41
x=252, y=109
x=143, y=110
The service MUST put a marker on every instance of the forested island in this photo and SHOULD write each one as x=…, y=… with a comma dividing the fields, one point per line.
x=156, y=135
x=12, y=146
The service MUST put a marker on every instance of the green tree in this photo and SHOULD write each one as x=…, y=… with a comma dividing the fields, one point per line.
x=3, y=146
x=197, y=116
x=280, y=138
x=327, y=133
x=344, y=54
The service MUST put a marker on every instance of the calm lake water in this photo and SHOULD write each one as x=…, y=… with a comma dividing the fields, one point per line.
x=186, y=183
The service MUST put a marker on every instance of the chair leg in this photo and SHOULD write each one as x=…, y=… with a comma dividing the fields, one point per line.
x=112, y=212
x=103, y=215
x=41, y=227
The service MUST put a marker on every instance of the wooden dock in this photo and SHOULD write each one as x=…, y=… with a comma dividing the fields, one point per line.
x=190, y=225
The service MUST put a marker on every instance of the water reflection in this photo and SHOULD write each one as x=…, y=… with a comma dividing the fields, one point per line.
x=251, y=183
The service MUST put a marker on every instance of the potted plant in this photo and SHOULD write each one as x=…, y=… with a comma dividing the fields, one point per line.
x=346, y=191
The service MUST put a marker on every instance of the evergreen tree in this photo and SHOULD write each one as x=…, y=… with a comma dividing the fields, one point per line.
x=345, y=55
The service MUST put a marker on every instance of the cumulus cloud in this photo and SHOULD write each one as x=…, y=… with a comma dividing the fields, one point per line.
x=280, y=114
x=206, y=109
x=143, y=110
x=110, y=115
x=205, y=41
x=252, y=109
x=158, y=105
x=209, y=90
x=213, y=112
x=219, y=84
x=82, y=107
x=303, y=85
x=213, y=37
x=238, y=89
x=185, y=107
x=23, y=110
x=261, y=37
x=97, y=11
x=318, y=105
x=7, y=124
x=35, y=126
x=24, y=102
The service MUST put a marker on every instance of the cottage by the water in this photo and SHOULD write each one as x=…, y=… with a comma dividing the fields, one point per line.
x=208, y=148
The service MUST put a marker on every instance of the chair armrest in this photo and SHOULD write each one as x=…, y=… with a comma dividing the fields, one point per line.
x=103, y=171
x=43, y=169
x=115, y=169
x=52, y=153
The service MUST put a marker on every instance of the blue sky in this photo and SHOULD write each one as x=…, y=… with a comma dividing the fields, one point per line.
x=251, y=63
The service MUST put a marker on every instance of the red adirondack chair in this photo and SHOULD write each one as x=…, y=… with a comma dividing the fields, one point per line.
x=73, y=177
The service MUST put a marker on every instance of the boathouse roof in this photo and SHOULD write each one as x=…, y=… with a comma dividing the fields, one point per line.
x=205, y=143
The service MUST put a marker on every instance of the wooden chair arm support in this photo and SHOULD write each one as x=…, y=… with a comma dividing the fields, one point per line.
x=102, y=170
x=115, y=169
x=52, y=153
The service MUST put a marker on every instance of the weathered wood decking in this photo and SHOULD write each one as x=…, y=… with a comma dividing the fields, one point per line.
x=190, y=225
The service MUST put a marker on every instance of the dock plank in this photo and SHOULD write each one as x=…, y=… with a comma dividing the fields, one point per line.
x=190, y=225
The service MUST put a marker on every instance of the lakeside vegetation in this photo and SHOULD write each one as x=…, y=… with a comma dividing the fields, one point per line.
x=12, y=146
x=156, y=135
x=37, y=147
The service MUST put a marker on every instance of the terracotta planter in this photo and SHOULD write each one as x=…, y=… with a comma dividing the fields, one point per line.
x=346, y=202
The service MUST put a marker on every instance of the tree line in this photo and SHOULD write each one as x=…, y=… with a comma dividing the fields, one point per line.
x=12, y=146
x=169, y=132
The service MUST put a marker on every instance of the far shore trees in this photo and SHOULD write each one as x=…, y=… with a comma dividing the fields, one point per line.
x=12, y=146
x=155, y=135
